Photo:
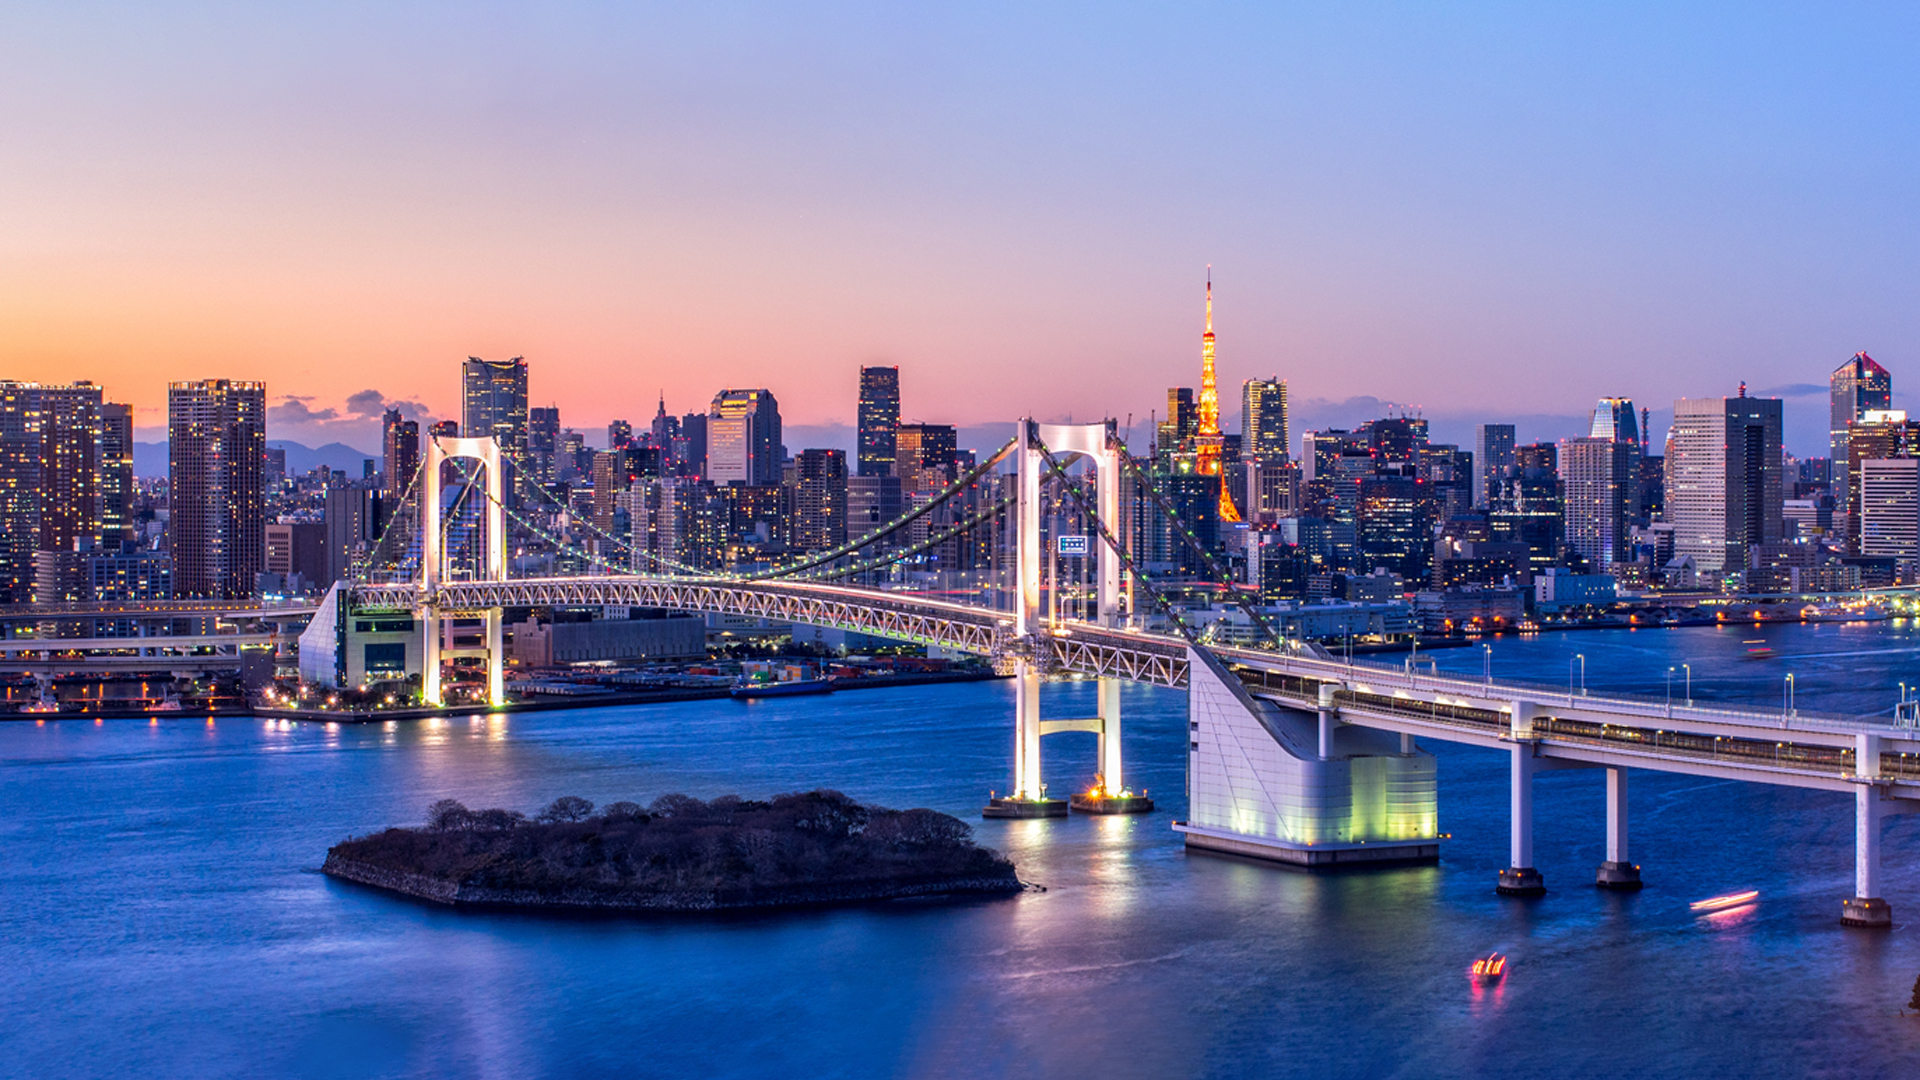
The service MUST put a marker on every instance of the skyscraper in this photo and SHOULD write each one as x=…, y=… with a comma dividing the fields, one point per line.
x=116, y=474
x=494, y=402
x=1263, y=420
x=1596, y=476
x=543, y=445
x=49, y=475
x=743, y=438
x=924, y=458
x=1879, y=435
x=400, y=453
x=820, y=500
x=216, y=525
x=1856, y=386
x=1176, y=431
x=879, y=418
x=1613, y=419
x=1723, y=479
x=1492, y=459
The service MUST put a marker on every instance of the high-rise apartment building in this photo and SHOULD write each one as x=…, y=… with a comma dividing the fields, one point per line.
x=879, y=418
x=354, y=516
x=1492, y=460
x=49, y=476
x=1263, y=420
x=743, y=438
x=216, y=525
x=400, y=454
x=1596, y=483
x=1856, y=387
x=819, y=499
x=1724, y=479
x=924, y=458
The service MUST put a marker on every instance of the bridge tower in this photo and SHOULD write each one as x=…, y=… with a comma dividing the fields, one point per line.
x=433, y=568
x=1036, y=626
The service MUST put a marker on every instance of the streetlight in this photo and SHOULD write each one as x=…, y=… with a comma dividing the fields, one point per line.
x=1688, y=668
x=1786, y=709
x=1486, y=654
x=1582, y=658
x=1670, y=671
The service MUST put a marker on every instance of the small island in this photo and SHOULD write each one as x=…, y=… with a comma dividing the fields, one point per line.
x=676, y=854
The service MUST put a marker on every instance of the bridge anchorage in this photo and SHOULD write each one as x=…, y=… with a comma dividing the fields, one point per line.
x=1293, y=755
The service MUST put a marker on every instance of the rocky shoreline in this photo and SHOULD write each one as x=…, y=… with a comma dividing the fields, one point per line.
x=469, y=895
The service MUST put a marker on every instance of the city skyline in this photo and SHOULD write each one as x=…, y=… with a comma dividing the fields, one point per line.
x=1383, y=203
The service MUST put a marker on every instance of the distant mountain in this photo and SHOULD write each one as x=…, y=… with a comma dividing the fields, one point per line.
x=150, y=458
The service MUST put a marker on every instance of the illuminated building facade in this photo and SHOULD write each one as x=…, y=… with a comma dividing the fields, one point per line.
x=743, y=438
x=49, y=476
x=1724, y=479
x=1263, y=421
x=1856, y=387
x=1207, y=442
x=216, y=526
x=879, y=419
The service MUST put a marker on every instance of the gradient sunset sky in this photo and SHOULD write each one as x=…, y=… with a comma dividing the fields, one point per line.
x=1490, y=211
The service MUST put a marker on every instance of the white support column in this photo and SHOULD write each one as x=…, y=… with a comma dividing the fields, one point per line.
x=1520, y=878
x=1026, y=599
x=1326, y=715
x=430, y=655
x=496, y=657
x=1026, y=722
x=1866, y=842
x=1106, y=490
x=1617, y=815
x=1110, y=773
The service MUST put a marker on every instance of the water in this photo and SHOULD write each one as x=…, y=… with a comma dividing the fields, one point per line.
x=160, y=916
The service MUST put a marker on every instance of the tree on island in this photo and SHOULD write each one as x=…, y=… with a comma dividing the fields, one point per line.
x=567, y=808
x=1915, y=1002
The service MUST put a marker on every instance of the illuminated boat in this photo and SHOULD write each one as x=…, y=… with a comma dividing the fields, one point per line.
x=1759, y=650
x=1489, y=971
x=1722, y=903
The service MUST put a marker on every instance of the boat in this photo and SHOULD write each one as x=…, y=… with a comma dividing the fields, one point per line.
x=750, y=688
x=1759, y=650
x=1722, y=903
x=1488, y=971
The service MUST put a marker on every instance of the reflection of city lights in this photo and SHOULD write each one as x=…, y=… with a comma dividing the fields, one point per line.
x=1720, y=903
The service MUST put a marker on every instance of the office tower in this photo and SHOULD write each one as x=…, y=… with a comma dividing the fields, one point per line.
x=353, y=520
x=444, y=429
x=1396, y=440
x=1493, y=459
x=1856, y=387
x=1613, y=418
x=690, y=449
x=116, y=475
x=1450, y=470
x=820, y=500
x=664, y=435
x=924, y=457
x=1597, y=475
x=1889, y=507
x=879, y=417
x=400, y=450
x=1723, y=479
x=494, y=402
x=872, y=501
x=619, y=435
x=1263, y=420
x=1393, y=525
x=743, y=438
x=543, y=445
x=216, y=527
x=298, y=549
x=1878, y=435
x=1176, y=431
x=573, y=451
x=49, y=476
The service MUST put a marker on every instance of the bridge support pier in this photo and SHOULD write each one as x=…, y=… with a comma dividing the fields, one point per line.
x=430, y=656
x=1520, y=878
x=1029, y=796
x=1865, y=908
x=1109, y=794
x=1617, y=872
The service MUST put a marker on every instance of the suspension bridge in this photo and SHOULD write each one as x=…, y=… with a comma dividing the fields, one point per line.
x=1294, y=755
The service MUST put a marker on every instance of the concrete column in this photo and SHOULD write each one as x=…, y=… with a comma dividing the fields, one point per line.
x=496, y=657
x=1520, y=878
x=1110, y=770
x=1328, y=714
x=1618, y=872
x=1406, y=744
x=430, y=656
x=1026, y=760
x=1521, y=722
x=1865, y=908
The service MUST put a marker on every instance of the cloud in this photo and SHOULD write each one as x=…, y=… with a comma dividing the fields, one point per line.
x=1799, y=389
x=295, y=410
x=372, y=404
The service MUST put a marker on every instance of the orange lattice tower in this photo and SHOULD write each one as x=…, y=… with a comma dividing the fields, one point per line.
x=1207, y=439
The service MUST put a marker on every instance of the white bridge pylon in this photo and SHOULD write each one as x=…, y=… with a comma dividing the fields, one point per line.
x=1099, y=444
x=433, y=569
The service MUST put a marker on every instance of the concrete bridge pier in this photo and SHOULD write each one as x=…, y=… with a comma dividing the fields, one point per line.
x=1109, y=794
x=1865, y=908
x=1029, y=796
x=1617, y=872
x=1520, y=878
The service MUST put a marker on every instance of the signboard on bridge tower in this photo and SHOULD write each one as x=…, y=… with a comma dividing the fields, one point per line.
x=1073, y=545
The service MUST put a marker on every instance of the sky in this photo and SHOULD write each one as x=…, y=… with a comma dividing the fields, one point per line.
x=1487, y=212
